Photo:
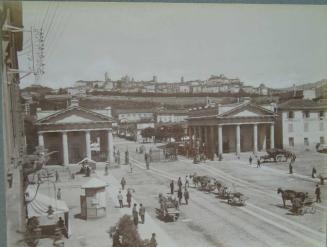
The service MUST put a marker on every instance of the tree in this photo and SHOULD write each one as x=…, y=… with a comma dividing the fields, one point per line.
x=148, y=132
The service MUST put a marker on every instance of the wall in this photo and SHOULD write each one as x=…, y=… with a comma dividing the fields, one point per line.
x=313, y=133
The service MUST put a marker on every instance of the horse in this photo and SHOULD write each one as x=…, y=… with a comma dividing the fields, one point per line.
x=290, y=195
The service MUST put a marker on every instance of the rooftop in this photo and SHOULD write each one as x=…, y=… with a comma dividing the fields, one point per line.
x=302, y=104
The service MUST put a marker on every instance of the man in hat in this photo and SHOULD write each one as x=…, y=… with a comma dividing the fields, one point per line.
x=59, y=194
x=186, y=196
x=120, y=199
x=153, y=240
x=123, y=183
x=142, y=213
x=172, y=187
x=317, y=192
x=129, y=197
x=135, y=215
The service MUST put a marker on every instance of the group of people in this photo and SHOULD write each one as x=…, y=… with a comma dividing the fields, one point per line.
x=258, y=161
x=180, y=193
x=136, y=214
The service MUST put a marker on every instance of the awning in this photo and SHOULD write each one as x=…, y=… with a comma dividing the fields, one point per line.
x=38, y=203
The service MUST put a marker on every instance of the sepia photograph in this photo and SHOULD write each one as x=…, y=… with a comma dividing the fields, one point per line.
x=152, y=124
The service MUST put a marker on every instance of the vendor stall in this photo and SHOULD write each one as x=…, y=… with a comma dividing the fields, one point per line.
x=50, y=212
x=93, y=199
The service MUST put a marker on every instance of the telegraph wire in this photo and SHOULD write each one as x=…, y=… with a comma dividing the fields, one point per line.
x=51, y=22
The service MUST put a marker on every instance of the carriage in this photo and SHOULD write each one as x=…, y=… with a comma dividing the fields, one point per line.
x=169, y=209
x=277, y=155
x=301, y=207
x=233, y=198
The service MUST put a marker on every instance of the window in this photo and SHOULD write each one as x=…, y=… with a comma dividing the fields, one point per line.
x=322, y=140
x=321, y=126
x=306, y=141
x=321, y=114
x=290, y=115
x=290, y=128
x=306, y=127
x=306, y=114
x=291, y=141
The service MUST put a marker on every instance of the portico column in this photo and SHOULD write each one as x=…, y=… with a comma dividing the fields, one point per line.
x=41, y=139
x=206, y=141
x=65, y=147
x=255, y=138
x=200, y=135
x=110, y=147
x=238, y=139
x=220, y=139
x=212, y=142
x=88, y=144
x=272, y=136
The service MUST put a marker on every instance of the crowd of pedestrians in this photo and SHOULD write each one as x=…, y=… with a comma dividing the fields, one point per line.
x=181, y=192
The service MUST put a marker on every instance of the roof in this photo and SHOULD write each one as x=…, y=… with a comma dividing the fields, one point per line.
x=71, y=114
x=38, y=203
x=303, y=104
x=94, y=183
x=177, y=112
x=122, y=111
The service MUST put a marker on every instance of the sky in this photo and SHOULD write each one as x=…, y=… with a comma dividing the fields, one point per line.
x=278, y=45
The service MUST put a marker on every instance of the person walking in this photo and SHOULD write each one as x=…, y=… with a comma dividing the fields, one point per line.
x=250, y=160
x=180, y=196
x=179, y=183
x=142, y=213
x=290, y=167
x=135, y=215
x=123, y=183
x=258, y=163
x=118, y=157
x=59, y=194
x=186, y=196
x=120, y=199
x=172, y=187
x=313, y=175
x=57, y=176
x=129, y=198
x=187, y=182
x=10, y=178
x=317, y=192
x=153, y=241
x=106, y=168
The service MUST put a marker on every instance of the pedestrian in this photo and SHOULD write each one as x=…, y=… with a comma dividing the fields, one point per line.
x=135, y=215
x=172, y=187
x=258, y=163
x=290, y=167
x=142, y=213
x=88, y=171
x=179, y=183
x=106, y=168
x=180, y=196
x=129, y=198
x=187, y=182
x=186, y=196
x=317, y=192
x=59, y=194
x=313, y=175
x=118, y=157
x=153, y=241
x=57, y=176
x=123, y=183
x=9, y=178
x=120, y=199
x=131, y=167
x=250, y=160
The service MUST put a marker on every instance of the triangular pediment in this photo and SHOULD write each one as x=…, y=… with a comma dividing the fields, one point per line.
x=246, y=113
x=248, y=110
x=74, y=115
x=74, y=119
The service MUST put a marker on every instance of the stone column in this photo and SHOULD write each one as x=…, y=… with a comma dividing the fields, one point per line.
x=255, y=138
x=212, y=142
x=220, y=139
x=206, y=141
x=41, y=139
x=65, y=147
x=238, y=139
x=88, y=144
x=110, y=147
x=272, y=136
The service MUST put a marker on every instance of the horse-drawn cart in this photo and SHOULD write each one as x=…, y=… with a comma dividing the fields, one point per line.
x=169, y=209
x=277, y=155
x=300, y=207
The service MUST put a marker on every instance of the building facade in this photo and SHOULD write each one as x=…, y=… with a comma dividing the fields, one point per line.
x=302, y=124
x=236, y=128
x=72, y=132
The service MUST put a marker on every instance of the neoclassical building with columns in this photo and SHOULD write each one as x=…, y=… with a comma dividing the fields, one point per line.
x=232, y=128
x=74, y=132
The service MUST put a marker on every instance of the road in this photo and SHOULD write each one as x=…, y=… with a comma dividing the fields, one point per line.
x=209, y=221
